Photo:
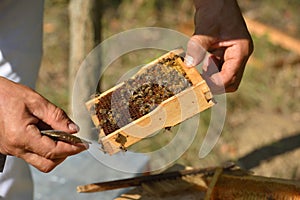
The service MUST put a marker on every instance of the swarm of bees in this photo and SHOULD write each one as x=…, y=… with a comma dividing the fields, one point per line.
x=141, y=94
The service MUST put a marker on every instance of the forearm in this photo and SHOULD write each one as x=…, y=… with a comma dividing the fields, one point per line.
x=210, y=5
x=219, y=18
x=214, y=4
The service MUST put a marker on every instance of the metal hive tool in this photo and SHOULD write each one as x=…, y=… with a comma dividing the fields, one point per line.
x=161, y=94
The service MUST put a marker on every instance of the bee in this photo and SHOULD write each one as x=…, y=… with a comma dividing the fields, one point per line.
x=102, y=111
x=147, y=89
x=102, y=122
x=138, y=101
x=143, y=111
x=150, y=92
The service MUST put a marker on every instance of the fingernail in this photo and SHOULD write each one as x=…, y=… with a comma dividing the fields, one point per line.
x=189, y=60
x=73, y=127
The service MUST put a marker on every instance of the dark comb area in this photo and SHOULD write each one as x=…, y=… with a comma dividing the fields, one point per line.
x=141, y=94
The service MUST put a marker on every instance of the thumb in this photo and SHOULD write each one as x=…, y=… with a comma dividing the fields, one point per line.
x=52, y=115
x=195, y=52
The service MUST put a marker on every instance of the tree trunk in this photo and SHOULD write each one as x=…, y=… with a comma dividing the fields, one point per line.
x=85, y=34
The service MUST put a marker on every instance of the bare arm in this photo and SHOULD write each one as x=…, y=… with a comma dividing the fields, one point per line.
x=221, y=30
x=23, y=113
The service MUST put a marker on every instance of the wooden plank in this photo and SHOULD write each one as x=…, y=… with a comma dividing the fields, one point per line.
x=274, y=35
x=234, y=184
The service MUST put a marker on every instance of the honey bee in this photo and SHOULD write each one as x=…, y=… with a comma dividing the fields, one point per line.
x=102, y=122
x=102, y=111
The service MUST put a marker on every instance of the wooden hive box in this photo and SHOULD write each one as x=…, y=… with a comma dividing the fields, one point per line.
x=161, y=94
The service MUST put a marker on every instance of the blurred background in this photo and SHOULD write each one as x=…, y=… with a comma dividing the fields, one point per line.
x=262, y=127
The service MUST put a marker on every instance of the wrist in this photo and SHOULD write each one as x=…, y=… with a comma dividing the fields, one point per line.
x=216, y=4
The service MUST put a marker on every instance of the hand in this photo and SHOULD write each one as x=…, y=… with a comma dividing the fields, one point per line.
x=23, y=113
x=221, y=30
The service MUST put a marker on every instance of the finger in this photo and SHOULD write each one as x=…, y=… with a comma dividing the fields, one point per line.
x=54, y=150
x=212, y=76
x=196, y=51
x=235, y=59
x=46, y=147
x=226, y=80
x=51, y=115
x=232, y=76
x=41, y=163
x=231, y=66
x=211, y=65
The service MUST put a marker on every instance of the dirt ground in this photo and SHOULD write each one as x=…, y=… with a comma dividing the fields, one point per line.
x=268, y=145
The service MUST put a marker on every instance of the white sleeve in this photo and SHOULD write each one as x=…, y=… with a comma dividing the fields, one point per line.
x=21, y=39
x=7, y=71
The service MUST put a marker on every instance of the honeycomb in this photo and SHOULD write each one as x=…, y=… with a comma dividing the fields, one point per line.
x=141, y=94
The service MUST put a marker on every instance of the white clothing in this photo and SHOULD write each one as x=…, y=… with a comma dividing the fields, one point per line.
x=16, y=181
x=21, y=39
x=20, y=56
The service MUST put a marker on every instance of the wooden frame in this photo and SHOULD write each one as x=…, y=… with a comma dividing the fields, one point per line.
x=169, y=113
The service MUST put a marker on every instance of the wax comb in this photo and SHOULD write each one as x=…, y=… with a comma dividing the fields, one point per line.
x=161, y=94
